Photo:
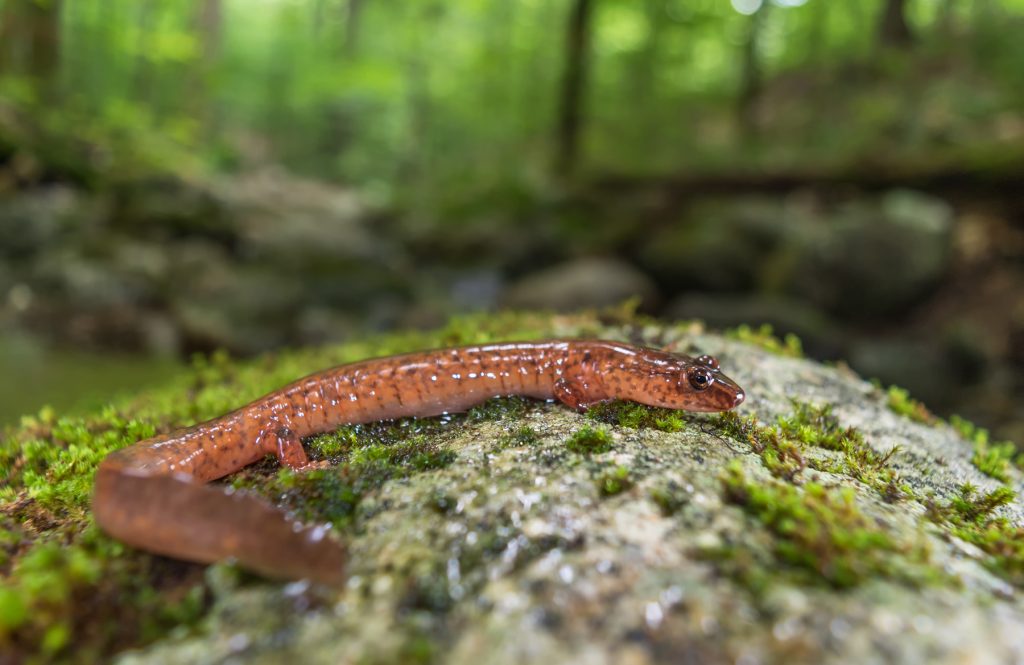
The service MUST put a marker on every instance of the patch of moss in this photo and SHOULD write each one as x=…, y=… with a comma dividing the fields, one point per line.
x=614, y=481
x=972, y=517
x=764, y=337
x=992, y=459
x=821, y=535
x=334, y=494
x=784, y=447
x=590, y=441
x=418, y=649
x=669, y=497
x=637, y=416
x=780, y=455
x=334, y=444
x=76, y=602
x=52, y=462
x=498, y=408
x=521, y=436
x=900, y=401
x=817, y=426
x=442, y=502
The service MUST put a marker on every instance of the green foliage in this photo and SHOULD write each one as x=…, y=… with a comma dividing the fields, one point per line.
x=764, y=337
x=449, y=100
x=821, y=534
x=590, y=441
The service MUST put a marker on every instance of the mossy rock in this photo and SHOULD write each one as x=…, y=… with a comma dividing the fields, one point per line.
x=820, y=523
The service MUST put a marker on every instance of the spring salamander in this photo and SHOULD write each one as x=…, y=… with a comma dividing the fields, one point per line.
x=153, y=495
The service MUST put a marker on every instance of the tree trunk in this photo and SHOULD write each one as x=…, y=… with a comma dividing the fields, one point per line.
x=353, y=12
x=570, y=114
x=44, y=26
x=893, y=30
x=209, y=23
x=750, y=75
x=8, y=28
x=30, y=40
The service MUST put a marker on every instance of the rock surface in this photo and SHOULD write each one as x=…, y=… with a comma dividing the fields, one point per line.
x=522, y=552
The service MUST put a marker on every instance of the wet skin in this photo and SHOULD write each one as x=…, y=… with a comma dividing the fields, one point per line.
x=152, y=494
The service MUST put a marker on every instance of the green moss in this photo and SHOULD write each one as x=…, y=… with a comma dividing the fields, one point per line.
x=590, y=441
x=418, y=650
x=614, y=481
x=764, y=337
x=334, y=444
x=669, y=497
x=816, y=426
x=992, y=459
x=900, y=401
x=521, y=436
x=781, y=456
x=320, y=495
x=442, y=502
x=972, y=517
x=498, y=408
x=82, y=600
x=785, y=448
x=820, y=534
x=637, y=416
x=334, y=494
x=53, y=459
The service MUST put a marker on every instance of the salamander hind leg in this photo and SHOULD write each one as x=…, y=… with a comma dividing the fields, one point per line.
x=577, y=394
x=289, y=449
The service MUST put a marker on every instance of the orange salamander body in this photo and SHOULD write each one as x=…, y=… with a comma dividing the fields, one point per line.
x=153, y=495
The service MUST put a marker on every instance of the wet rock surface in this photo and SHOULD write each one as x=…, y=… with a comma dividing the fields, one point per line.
x=520, y=551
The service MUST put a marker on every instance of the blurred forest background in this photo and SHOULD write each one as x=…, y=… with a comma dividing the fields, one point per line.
x=182, y=176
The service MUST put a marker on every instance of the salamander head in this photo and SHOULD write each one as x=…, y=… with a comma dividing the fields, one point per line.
x=693, y=384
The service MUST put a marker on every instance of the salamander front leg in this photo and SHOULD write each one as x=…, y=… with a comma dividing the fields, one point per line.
x=577, y=394
x=289, y=449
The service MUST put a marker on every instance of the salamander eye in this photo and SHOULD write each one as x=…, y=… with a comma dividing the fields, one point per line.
x=700, y=378
x=707, y=361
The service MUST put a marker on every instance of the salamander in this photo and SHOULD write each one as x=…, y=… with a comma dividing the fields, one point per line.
x=153, y=494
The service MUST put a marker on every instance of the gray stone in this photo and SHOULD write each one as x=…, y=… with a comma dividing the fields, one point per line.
x=872, y=258
x=719, y=244
x=37, y=218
